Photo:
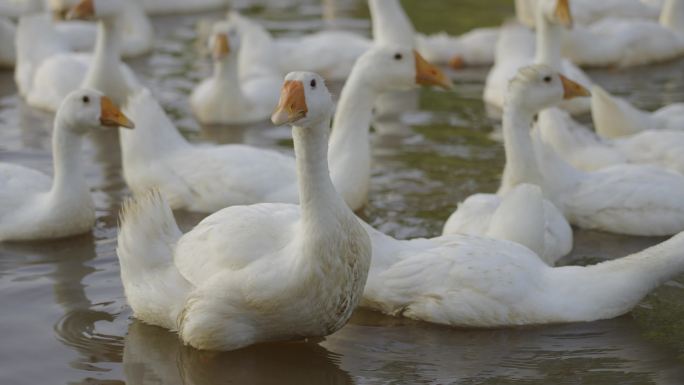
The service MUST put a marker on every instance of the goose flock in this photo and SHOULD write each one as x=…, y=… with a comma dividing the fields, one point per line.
x=282, y=254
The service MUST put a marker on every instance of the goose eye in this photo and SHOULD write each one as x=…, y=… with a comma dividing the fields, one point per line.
x=398, y=56
x=547, y=79
x=313, y=83
x=86, y=99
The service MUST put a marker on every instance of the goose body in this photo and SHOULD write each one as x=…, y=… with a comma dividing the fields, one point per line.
x=625, y=43
x=516, y=49
x=231, y=97
x=33, y=205
x=46, y=75
x=505, y=217
x=208, y=178
x=7, y=51
x=469, y=281
x=224, y=285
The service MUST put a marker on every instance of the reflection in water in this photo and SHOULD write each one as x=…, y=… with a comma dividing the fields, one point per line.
x=153, y=355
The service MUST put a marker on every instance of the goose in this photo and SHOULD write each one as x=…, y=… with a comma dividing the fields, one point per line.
x=625, y=43
x=135, y=29
x=46, y=74
x=7, y=50
x=615, y=117
x=516, y=49
x=34, y=206
x=228, y=97
x=16, y=8
x=475, y=281
x=624, y=199
x=588, y=12
x=209, y=178
x=586, y=150
x=250, y=274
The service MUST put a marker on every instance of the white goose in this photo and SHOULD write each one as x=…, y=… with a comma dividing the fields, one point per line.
x=229, y=97
x=588, y=12
x=624, y=42
x=624, y=199
x=135, y=29
x=7, y=50
x=250, y=274
x=464, y=280
x=615, y=117
x=45, y=75
x=582, y=148
x=516, y=49
x=209, y=178
x=32, y=205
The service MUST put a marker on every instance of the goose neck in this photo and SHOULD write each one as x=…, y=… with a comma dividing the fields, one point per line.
x=316, y=192
x=105, y=73
x=549, y=41
x=227, y=78
x=68, y=180
x=391, y=25
x=521, y=164
x=672, y=15
x=350, y=138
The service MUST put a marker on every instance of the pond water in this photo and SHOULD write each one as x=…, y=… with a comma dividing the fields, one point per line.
x=64, y=318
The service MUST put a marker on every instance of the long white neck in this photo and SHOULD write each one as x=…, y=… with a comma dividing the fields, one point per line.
x=672, y=15
x=521, y=164
x=549, y=41
x=317, y=196
x=350, y=153
x=105, y=73
x=612, y=288
x=227, y=80
x=391, y=25
x=69, y=181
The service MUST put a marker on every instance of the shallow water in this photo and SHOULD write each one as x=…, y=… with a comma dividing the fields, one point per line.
x=64, y=318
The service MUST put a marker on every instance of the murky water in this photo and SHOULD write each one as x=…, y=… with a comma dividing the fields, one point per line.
x=64, y=318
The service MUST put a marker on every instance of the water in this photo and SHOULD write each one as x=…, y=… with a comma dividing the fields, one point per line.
x=64, y=318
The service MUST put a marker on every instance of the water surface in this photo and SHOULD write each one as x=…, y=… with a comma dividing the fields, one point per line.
x=64, y=318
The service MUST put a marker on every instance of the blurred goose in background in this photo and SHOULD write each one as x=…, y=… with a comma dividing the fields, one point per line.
x=7, y=51
x=471, y=281
x=46, y=73
x=625, y=42
x=615, y=117
x=516, y=49
x=209, y=178
x=250, y=274
x=35, y=206
x=624, y=199
x=588, y=12
x=232, y=97
x=16, y=8
x=133, y=25
x=585, y=150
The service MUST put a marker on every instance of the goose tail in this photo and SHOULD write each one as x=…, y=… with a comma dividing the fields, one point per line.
x=154, y=288
x=613, y=288
x=614, y=117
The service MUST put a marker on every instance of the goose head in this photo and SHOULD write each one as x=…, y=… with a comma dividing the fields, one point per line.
x=95, y=9
x=555, y=12
x=304, y=101
x=224, y=40
x=395, y=68
x=538, y=87
x=84, y=110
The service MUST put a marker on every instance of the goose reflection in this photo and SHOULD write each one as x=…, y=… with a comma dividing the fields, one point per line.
x=379, y=347
x=153, y=355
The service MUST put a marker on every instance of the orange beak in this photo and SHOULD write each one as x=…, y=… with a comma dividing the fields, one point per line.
x=572, y=89
x=292, y=105
x=221, y=46
x=84, y=10
x=563, y=13
x=111, y=116
x=429, y=75
x=456, y=62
